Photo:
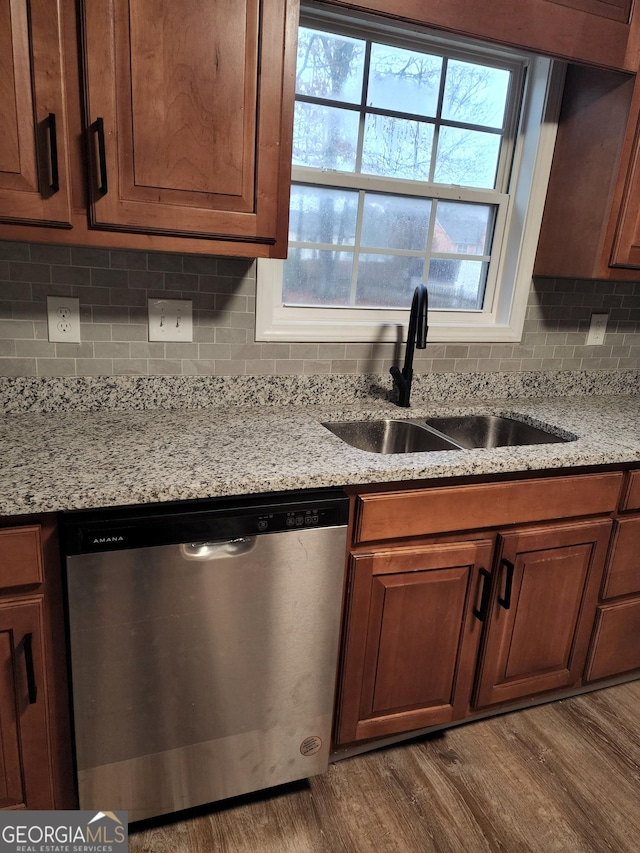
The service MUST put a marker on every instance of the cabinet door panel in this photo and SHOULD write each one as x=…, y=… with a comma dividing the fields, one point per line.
x=538, y=632
x=623, y=571
x=184, y=90
x=616, y=640
x=412, y=637
x=20, y=556
x=25, y=771
x=30, y=91
x=11, y=789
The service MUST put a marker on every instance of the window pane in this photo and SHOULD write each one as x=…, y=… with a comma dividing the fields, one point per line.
x=387, y=280
x=463, y=228
x=467, y=157
x=329, y=66
x=403, y=80
x=397, y=148
x=325, y=137
x=475, y=94
x=317, y=277
x=319, y=215
x=456, y=285
x=390, y=222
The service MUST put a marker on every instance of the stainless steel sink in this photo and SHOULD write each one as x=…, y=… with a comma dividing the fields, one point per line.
x=472, y=431
x=389, y=436
x=464, y=432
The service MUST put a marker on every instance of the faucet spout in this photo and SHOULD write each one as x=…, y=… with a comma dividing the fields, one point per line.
x=416, y=338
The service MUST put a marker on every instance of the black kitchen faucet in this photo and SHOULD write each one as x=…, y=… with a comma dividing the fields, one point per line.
x=416, y=337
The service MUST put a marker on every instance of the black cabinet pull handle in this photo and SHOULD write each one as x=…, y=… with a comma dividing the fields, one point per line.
x=102, y=157
x=28, y=662
x=508, y=586
x=53, y=153
x=481, y=613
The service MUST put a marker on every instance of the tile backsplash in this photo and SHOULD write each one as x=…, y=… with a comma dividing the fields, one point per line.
x=113, y=287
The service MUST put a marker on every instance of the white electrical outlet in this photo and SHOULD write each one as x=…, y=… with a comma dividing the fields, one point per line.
x=63, y=318
x=597, y=329
x=170, y=320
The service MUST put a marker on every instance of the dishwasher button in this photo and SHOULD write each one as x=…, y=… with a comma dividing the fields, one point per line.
x=263, y=524
x=299, y=520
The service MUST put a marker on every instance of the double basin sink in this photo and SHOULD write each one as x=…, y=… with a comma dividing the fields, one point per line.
x=446, y=433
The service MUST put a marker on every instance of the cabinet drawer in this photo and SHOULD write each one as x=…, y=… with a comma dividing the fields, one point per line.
x=623, y=571
x=631, y=498
x=419, y=512
x=20, y=556
x=616, y=640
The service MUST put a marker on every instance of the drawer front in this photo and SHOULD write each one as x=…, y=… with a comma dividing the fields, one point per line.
x=623, y=571
x=616, y=640
x=631, y=499
x=20, y=556
x=419, y=512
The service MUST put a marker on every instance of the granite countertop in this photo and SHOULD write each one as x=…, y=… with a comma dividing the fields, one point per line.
x=77, y=460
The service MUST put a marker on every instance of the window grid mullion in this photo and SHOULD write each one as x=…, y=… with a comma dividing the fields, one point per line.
x=356, y=248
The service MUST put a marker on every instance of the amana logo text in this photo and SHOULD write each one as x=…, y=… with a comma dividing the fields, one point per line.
x=102, y=539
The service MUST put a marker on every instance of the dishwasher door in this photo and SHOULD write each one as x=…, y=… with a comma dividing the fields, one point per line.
x=203, y=670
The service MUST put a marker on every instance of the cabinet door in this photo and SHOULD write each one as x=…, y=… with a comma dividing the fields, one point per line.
x=542, y=610
x=185, y=105
x=414, y=625
x=616, y=640
x=25, y=764
x=34, y=184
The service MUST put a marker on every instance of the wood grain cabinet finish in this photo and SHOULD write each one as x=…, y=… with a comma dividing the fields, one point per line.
x=25, y=771
x=34, y=181
x=35, y=744
x=631, y=498
x=185, y=109
x=616, y=640
x=412, y=637
x=622, y=576
x=420, y=512
x=542, y=613
x=597, y=32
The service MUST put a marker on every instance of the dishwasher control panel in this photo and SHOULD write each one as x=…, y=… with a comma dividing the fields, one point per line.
x=147, y=526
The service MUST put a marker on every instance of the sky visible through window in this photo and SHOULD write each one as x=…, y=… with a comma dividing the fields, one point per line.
x=378, y=127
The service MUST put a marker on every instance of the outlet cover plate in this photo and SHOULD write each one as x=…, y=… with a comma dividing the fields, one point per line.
x=170, y=320
x=597, y=330
x=63, y=319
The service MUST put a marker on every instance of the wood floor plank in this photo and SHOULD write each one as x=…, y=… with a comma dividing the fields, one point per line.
x=558, y=778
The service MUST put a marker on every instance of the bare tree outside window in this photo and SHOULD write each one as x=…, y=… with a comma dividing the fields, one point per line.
x=410, y=121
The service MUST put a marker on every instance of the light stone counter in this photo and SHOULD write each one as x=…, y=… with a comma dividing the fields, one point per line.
x=72, y=460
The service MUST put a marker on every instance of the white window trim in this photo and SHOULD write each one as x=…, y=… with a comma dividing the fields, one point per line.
x=501, y=321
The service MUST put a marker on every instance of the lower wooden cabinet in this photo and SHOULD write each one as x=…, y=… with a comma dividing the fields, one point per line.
x=25, y=778
x=538, y=630
x=415, y=626
x=442, y=624
x=615, y=645
x=616, y=640
x=35, y=744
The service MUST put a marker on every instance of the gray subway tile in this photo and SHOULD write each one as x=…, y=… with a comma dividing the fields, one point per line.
x=129, y=366
x=129, y=332
x=10, y=251
x=29, y=272
x=82, y=256
x=94, y=367
x=35, y=349
x=165, y=367
x=164, y=261
x=112, y=350
x=18, y=367
x=50, y=253
x=109, y=278
x=128, y=260
x=56, y=366
x=16, y=329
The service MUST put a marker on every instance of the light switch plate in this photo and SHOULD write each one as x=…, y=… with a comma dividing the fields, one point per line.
x=63, y=319
x=170, y=320
x=597, y=329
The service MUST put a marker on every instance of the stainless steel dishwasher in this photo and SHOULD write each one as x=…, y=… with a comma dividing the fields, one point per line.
x=204, y=646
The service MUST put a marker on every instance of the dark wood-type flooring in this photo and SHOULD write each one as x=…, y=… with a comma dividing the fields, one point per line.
x=560, y=777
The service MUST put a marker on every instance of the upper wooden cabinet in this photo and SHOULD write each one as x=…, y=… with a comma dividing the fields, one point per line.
x=184, y=107
x=34, y=182
x=591, y=225
x=177, y=134
x=598, y=32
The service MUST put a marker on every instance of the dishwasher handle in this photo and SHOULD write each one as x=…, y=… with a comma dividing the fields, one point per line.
x=217, y=550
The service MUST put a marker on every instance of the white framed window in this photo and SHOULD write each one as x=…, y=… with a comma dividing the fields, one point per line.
x=416, y=158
